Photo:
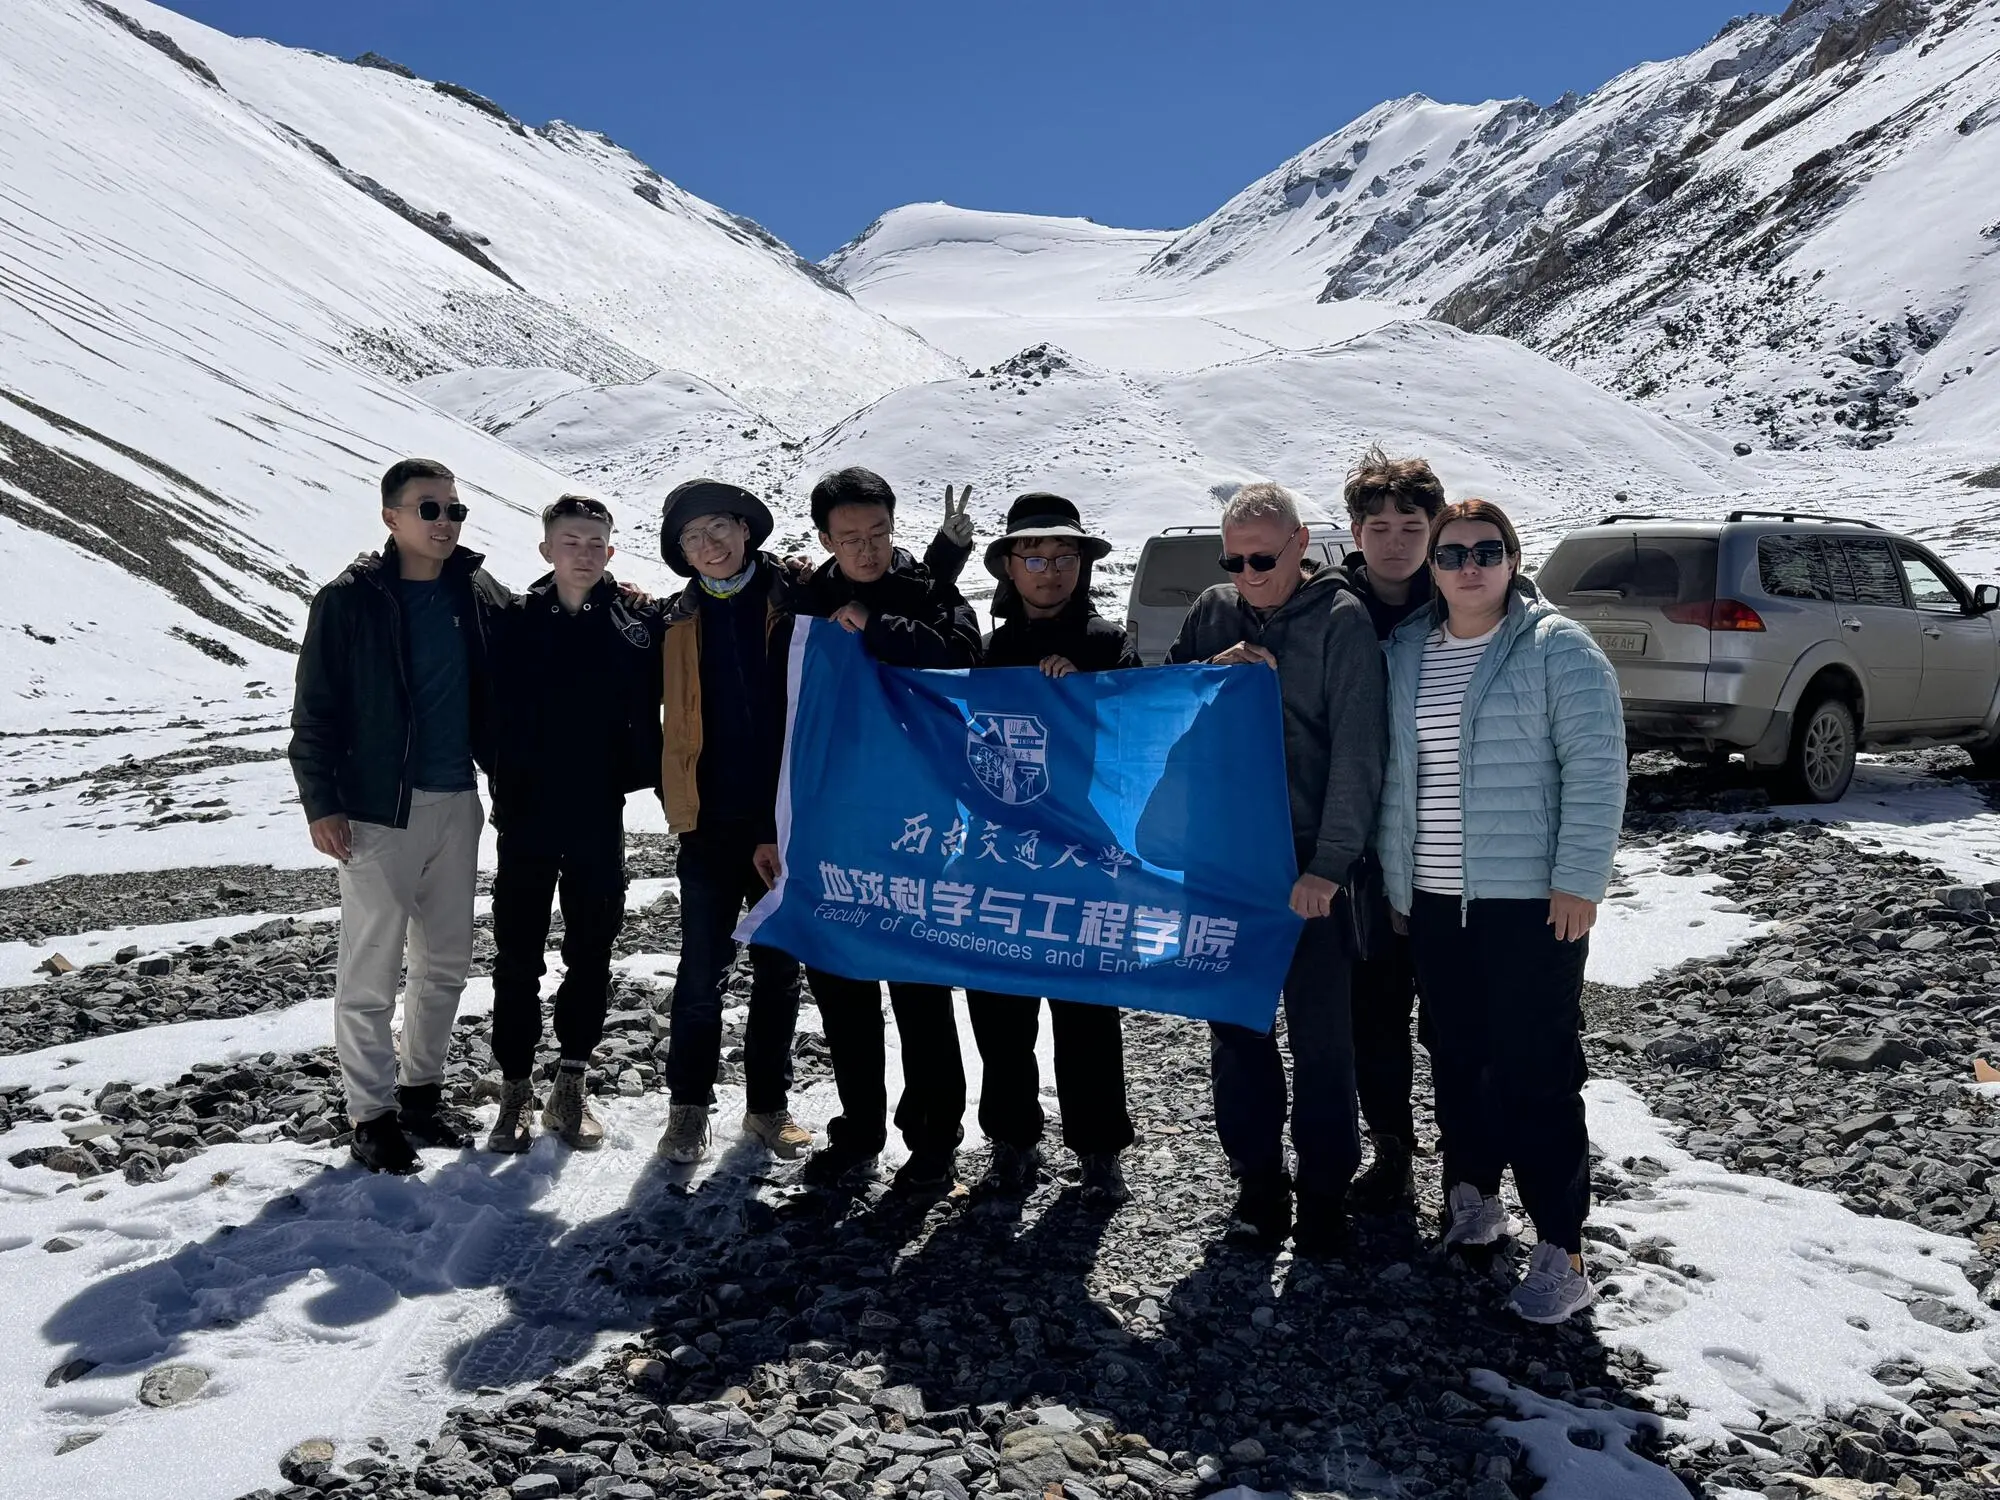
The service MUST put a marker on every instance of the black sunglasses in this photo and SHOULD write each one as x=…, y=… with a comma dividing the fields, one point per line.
x=1263, y=562
x=1452, y=555
x=430, y=510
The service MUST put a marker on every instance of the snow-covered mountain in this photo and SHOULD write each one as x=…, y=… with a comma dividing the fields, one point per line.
x=221, y=263
x=1790, y=230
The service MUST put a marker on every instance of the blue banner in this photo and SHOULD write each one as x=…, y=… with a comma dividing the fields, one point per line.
x=1122, y=838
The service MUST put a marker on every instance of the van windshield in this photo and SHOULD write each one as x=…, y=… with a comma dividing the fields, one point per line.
x=1653, y=570
x=1175, y=569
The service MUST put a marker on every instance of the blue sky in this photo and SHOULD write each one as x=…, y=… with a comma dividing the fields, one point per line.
x=814, y=119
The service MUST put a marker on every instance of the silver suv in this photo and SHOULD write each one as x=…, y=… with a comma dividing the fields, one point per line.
x=1177, y=565
x=1791, y=638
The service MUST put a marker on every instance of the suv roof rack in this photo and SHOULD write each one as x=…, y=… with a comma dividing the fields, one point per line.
x=1186, y=530
x=1799, y=515
x=1613, y=520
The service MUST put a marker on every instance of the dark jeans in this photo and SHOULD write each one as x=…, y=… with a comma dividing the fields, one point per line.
x=717, y=881
x=932, y=1110
x=589, y=874
x=1385, y=988
x=1249, y=1073
x=1090, y=1071
x=1504, y=1003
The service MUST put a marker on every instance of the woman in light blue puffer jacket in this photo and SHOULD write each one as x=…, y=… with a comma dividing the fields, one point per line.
x=1499, y=823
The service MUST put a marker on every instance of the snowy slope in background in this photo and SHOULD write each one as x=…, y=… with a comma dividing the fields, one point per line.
x=1726, y=234
x=984, y=286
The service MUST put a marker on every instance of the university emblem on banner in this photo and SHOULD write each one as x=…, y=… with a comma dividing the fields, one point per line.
x=1009, y=753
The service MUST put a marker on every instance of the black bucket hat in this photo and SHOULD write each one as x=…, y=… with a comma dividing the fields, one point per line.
x=1039, y=515
x=709, y=497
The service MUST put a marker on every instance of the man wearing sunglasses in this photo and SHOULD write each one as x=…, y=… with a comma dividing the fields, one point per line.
x=907, y=618
x=388, y=718
x=1045, y=619
x=578, y=726
x=1312, y=628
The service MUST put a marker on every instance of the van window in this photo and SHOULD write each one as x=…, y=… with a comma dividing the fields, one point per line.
x=1869, y=574
x=1793, y=567
x=1175, y=569
x=1927, y=585
x=1649, y=570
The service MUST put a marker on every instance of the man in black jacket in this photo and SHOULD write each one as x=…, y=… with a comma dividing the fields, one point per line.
x=578, y=726
x=1313, y=630
x=1046, y=620
x=1390, y=503
x=388, y=717
x=907, y=619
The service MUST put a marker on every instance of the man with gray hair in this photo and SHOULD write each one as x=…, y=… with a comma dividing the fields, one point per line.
x=1310, y=626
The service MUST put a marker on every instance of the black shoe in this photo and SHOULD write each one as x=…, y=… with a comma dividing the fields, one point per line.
x=835, y=1166
x=927, y=1174
x=1389, y=1183
x=1012, y=1171
x=1103, y=1180
x=1323, y=1226
x=424, y=1118
x=380, y=1146
x=1262, y=1216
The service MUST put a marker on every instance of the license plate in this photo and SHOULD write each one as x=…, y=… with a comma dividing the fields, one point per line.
x=1622, y=642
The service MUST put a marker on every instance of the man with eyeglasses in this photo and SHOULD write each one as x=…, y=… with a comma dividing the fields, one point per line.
x=907, y=618
x=577, y=727
x=723, y=671
x=1045, y=619
x=1312, y=629
x=389, y=715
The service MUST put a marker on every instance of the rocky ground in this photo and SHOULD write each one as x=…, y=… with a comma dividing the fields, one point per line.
x=870, y=1347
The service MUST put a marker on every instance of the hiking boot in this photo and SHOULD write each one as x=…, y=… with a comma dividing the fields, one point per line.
x=779, y=1133
x=1477, y=1219
x=837, y=1166
x=686, y=1137
x=1388, y=1183
x=1011, y=1172
x=380, y=1146
x=517, y=1104
x=1552, y=1289
x=1103, y=1180
x=1323, y=1227
x=425, y=1120
x=927, y=1174
x=1262, y=1216
x=568, y=1113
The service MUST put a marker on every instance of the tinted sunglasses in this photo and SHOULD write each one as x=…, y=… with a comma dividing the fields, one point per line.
x=1262, y=562
x=1452, y=555
x=1065, y=562
x=430, y=510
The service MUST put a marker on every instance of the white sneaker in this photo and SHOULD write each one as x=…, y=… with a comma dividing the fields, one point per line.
x=780, y=1134
x=686, y=1138
x=1553, y=1288
x=1477, y=1219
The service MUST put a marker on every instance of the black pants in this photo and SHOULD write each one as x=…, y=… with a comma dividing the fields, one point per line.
x=1090, y=1071
x=932, y=1110
x=1249, y=1073
x=1385, y=989
x=588, y=872
x=1504, y=1001
x=717, y=881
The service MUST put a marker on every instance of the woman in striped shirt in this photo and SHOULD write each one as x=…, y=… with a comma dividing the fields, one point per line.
x=1500, y=814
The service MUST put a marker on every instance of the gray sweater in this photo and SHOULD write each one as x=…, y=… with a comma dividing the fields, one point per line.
x=1332, y=684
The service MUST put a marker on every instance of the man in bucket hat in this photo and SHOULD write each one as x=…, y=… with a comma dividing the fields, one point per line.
x=719, y=778
x=1045, y=619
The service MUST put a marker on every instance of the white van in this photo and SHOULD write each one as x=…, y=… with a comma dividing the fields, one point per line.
x=1176, y=566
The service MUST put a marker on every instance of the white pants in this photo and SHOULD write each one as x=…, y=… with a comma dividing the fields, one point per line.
x=404, y=887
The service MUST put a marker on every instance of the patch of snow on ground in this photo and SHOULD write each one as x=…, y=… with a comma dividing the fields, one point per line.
x=1792, y=1298
x=20, y=962
x=1650, y=921
x=1601, y=1466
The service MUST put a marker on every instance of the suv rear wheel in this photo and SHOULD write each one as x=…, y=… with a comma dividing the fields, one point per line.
x=1821, y=762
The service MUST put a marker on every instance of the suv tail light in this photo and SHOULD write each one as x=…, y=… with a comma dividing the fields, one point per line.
x=1715, y=614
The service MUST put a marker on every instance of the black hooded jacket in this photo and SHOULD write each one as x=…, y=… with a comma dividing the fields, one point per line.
x=576, y=711
x=1386, y=616
x=1090, y=642
x=351, y=730
x=914, y=620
